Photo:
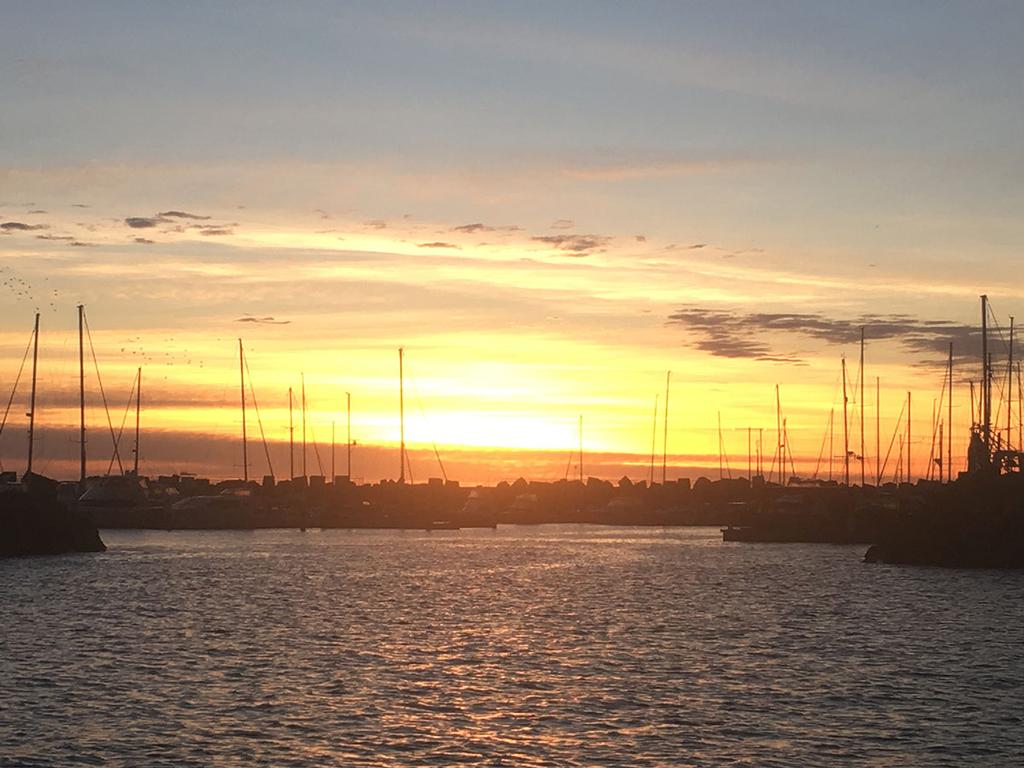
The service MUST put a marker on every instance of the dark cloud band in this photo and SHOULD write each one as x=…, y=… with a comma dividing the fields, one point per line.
x=756, y=335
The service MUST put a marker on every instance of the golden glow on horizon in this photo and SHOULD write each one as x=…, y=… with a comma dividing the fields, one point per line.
x=507, y=343
x=480, y=407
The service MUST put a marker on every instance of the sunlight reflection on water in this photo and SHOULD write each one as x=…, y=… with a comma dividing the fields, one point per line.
x=560, y=645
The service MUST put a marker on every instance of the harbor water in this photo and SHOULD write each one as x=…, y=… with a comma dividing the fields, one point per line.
x=521, y=646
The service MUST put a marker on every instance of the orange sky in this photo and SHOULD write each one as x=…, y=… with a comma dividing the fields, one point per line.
x=507, y=343
x=546, y=212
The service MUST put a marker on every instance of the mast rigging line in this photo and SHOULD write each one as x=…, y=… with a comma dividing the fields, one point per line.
x=898, y=430
x=103, y=394
x=316, y=449
x=17, y=379
x=124, y=420
x=1004, y=395
x=856, y=399
x=779, y=444
x=423, y=415
x=936, y=420
x=771, y=467
x=829, y=426
x=824, y=439
x=789, y=449
x=722, y=451
x=259, y=420
x=1015, y=404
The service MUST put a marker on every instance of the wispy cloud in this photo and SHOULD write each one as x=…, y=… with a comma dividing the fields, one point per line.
x=181, y=215
x=470, y=229
x=487, y=228
x=437, y=244
x=144, y=222
x=164, y=217
x=575, y=245
x=268, y=320
x=19, y=226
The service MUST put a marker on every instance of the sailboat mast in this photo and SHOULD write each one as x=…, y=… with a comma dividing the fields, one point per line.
x=32, y=401
x=846, y=435
x=789, y=451
x=291, y=437
x=931, y=450
x=720, y=447
x=245, y=441
x=401, y=414
x=1009, y=391
x=664, y=453
x=81, y=391
x=348, y=441
x=778, y=429
x=654, y=440
x=831, y=433
x=949, y=419
x=138, y=419
x=986, y=399
x=305, y=474
x=878, y=430
x=862, y=456
x=988, y=387
x=581, y=447
x=941, y=439
x=333, y=473
x=991, y=368
x=760, y=452
x=749, y=469
x=908, y=437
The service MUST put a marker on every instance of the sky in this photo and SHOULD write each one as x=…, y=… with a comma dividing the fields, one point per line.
x=547, y=205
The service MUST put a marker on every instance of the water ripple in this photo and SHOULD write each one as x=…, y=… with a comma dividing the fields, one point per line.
x=544, y=646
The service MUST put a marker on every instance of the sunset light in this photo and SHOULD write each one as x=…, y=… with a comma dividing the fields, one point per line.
x=535, y=384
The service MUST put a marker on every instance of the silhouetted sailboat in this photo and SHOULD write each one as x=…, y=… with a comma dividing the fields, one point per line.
x=979, y=519
x=35, y=521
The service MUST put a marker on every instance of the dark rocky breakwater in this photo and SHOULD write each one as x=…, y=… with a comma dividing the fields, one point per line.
x=34, y=522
